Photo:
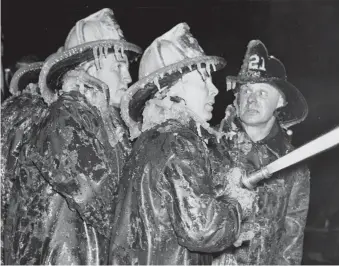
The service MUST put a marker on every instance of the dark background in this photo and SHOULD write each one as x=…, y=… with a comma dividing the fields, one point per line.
x=303, y=34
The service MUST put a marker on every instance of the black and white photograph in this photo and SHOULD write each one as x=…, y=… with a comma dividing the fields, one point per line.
x=159, y=132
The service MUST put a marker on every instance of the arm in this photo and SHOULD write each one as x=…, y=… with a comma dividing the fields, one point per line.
x=75, y=164
x=201, y=221
x=291, y=243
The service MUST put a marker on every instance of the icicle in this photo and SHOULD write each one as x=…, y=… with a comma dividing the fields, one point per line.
x=204, y=70
x=199, y=130
x=106, y=51
x=156, y=82
x=208, y=69
x=214, y=67
x=190, y=67
x=228, y=84
x=96, y=58
x=116, y=52
x=180, y=70
x=199, y=68
x=123, y=55
x=101, y=55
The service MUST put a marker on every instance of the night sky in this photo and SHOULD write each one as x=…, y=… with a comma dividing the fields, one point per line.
x=304, y=35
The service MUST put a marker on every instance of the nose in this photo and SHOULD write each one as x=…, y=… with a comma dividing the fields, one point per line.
x=213, y=89
x=252, y=98
x=126, y=76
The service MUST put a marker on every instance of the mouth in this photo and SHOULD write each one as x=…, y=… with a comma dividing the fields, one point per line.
x=209, y=106
x=252, y=111
x=124, y=88
x=211, y=102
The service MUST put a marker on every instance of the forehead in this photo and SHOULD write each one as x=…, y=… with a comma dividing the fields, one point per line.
x=196, y=75
x=259, y=86
x=120, y=59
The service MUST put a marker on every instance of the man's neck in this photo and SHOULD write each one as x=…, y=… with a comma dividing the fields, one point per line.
x=259, y=132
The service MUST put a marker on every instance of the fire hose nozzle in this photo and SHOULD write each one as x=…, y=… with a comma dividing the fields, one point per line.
x=251, y=180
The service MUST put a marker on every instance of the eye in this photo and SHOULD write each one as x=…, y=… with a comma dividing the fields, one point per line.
x=263, y=93
x=246, y=91
x=116, y=66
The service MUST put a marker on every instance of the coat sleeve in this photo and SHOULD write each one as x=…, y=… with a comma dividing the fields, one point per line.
x=73, y=162
x=202, y=222
x=291, y=243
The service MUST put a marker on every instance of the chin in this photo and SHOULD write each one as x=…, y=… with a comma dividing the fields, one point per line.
x=251, y=120
x=207, y=117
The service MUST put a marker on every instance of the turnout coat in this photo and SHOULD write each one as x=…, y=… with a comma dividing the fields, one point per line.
x=62, y=201
x=167, y=210
x=281, y=205
x=19, y=115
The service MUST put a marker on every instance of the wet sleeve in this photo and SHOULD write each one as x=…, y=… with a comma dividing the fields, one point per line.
x=291, y=243
x=202, y=222
x=73, y=162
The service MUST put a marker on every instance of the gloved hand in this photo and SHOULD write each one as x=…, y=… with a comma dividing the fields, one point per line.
x=234, y=189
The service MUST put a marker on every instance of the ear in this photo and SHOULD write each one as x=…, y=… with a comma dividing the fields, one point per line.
x=91, y=69
x=281, y=102
x=178, y=93
x=178, y=89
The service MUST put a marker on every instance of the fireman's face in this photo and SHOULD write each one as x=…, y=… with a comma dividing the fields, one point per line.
x=199, y=93
x=115, y=73
x=257, y=103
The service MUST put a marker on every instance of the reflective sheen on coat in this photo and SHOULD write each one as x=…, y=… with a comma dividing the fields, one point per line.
x=63, y=198
x=167, y=211
x=19, y=114
x=282, y=202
